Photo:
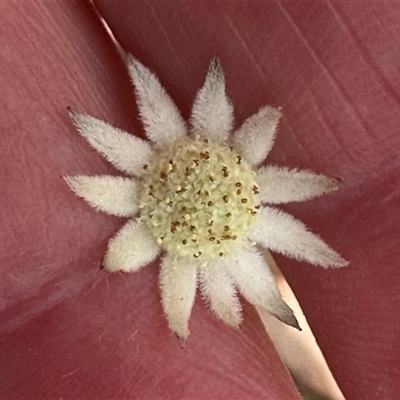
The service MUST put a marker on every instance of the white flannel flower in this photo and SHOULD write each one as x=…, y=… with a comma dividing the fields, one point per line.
x=196, y=194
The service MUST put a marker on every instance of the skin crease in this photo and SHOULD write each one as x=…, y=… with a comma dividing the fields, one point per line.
x=333, y=67
x=67, y=328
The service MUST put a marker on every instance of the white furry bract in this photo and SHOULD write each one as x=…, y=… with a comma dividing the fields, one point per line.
x=255, y=138
x=218, y=289
x=280, y=232
x=132, y=248
x=212, y=114
x=198, y=200
x=160, y=116
x=113, y=195
x=283, y=185
x=178, y=283
x=126, y=152
x=252, y=275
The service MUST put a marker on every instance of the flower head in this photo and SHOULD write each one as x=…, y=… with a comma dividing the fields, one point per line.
x=199, y=200
x=197, y=195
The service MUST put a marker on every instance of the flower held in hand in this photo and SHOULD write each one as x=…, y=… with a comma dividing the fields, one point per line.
x=196, y=195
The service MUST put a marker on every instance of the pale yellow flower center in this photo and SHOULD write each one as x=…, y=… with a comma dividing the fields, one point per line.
x=199, y=199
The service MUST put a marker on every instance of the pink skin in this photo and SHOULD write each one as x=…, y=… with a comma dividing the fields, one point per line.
x=334, y=68
x=68, y=329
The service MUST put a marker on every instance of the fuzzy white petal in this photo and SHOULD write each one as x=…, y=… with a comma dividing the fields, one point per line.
x=283, y=185
x=178, y=283
x=218, y=288
x=257, y=284
x=161, y=118
x=255, y=138
x=279, y=231
x=113, y=195
x=212, y=112
x=126, y=152
x=132, y=248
